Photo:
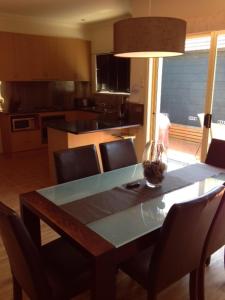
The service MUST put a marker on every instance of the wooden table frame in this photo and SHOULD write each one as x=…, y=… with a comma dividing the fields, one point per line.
x=105, y=256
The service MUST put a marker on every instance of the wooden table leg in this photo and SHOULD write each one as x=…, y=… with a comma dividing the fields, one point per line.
x=32, y=223
x=104, y=284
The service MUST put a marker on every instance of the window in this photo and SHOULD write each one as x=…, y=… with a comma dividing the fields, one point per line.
x=113, y=73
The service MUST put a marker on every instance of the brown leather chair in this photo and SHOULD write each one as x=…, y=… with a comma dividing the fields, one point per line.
x=216, y=153
x=179, y=247
x=76, y=163
x=57, y=271
x=117, y=154
x=215, y=157
x=214, y=241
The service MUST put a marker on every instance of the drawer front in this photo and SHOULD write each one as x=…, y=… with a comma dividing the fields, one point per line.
x=26, y=140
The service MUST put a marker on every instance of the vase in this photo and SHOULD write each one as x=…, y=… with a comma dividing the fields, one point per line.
x=154, y=163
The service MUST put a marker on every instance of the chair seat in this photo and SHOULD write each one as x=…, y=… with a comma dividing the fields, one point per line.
x=138, y=267
x=68, y=271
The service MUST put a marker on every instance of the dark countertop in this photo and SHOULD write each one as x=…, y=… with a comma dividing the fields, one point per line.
x=85, y=126
x=85, y=109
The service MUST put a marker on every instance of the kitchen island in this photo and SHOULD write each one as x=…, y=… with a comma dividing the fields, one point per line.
x=65, y=135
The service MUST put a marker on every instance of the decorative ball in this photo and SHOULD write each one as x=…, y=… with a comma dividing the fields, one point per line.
x=153, y=171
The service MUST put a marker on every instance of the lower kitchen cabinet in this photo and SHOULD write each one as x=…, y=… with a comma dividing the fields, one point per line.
x=25, y=140
x=14, y=141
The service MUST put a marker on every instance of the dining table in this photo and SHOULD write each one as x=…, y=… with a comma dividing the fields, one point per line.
x=109, y=220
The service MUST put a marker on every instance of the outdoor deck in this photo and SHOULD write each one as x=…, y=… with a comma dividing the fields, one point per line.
x=185, y=141
x=183, y=150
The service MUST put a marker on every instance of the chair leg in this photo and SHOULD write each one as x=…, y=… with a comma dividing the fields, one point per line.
x=193, y=285
x=208, y=260
x=17, y=291
x=201, y=282
x=152, y=295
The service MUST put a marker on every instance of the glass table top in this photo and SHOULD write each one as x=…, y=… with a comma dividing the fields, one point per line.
x=81, y=188
x=131, y=220
x=127, y=225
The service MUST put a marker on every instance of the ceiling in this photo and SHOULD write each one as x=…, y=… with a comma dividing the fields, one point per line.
x=70, y=12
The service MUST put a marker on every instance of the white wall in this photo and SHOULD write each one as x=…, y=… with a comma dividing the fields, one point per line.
x=101, y=35
x=28, y=25
x=201, y=15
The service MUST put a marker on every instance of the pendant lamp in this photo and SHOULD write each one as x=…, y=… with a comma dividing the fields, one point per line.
x=149, y=37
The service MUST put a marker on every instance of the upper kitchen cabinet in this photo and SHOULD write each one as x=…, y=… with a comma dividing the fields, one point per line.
x=44, y=58
x=75, y=59
x=24, y=60
x=29, y=57
x=7, y=59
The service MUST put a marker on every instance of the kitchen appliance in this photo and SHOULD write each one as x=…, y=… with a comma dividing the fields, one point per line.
x=23, y=123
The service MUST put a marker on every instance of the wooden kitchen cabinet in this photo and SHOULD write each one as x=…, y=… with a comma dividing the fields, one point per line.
x=76, y=59
x=48, y=63
x=53, y=59
x=29, y=57
x=24, y=62
x=25, y=140
x=7, y=58
x=13, y=141
x=5, y=126
x=38, y=57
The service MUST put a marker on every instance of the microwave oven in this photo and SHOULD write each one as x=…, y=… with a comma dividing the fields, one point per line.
x=19, y=124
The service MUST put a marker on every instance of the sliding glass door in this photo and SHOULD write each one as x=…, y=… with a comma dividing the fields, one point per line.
x=218, y=104
x=189, y=90
x=182, y=91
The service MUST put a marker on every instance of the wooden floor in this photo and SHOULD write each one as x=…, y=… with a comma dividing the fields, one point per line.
x=28, y=171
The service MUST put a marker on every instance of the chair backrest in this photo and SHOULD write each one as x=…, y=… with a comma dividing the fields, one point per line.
x=216, y=153
x=25, y=261
x=180, y=245
x=117, y=154
x=216, y=235
x=76, y=163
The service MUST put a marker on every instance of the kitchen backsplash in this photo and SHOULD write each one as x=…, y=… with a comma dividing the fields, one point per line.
x=111, y=99
x=34, y=96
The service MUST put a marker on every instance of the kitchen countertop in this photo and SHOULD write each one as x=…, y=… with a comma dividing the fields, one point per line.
x=85, y=126
x=94, y=109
